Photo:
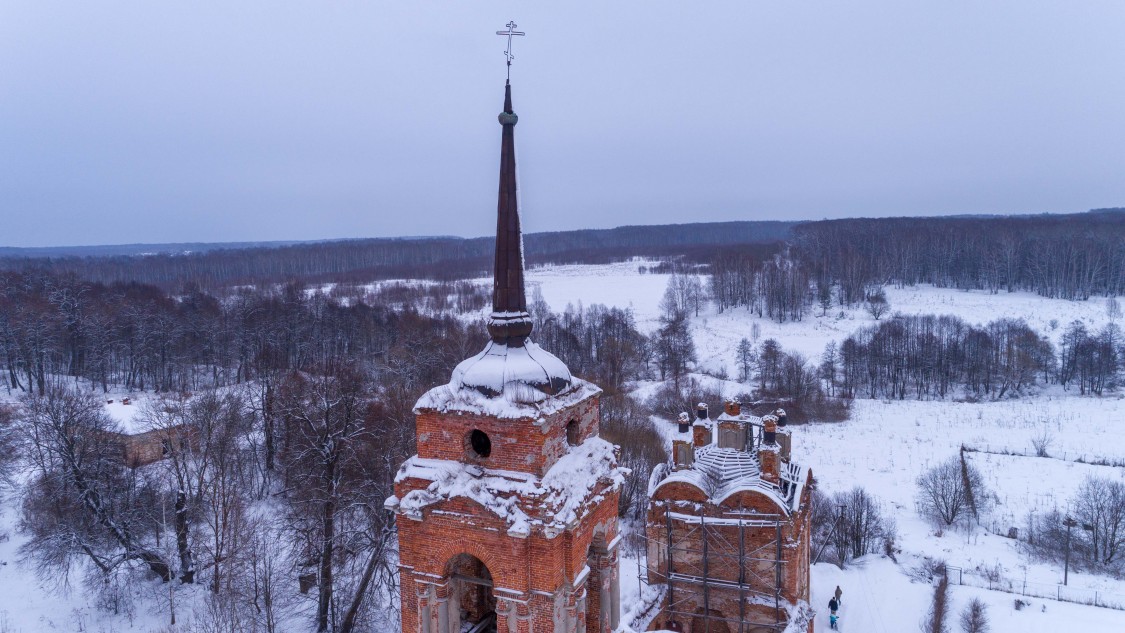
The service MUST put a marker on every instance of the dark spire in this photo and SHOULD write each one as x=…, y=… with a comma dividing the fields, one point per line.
x=510, y=322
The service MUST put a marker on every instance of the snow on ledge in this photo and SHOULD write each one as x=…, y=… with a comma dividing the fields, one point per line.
x=523, y=501
x=452, y=398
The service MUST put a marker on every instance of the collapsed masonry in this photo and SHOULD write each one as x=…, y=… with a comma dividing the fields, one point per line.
x=727, y=530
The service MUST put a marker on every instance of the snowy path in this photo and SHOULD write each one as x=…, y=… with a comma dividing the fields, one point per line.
x=879, y=598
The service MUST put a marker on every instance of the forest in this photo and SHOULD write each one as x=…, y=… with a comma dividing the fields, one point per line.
x=296, y=382
x=367, y=260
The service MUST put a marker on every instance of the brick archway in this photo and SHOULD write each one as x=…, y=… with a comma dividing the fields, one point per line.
x=454, y=547
x=470, y=593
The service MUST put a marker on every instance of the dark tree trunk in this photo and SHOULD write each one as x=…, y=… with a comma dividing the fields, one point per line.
x=329, y=538
x=187, y=564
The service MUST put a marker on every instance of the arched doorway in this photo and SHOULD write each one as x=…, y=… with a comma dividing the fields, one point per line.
x=473, y=605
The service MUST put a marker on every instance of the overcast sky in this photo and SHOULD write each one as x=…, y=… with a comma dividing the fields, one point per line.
x=151, y=121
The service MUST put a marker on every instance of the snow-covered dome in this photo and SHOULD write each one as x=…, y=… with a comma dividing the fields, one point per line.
x=522, y=374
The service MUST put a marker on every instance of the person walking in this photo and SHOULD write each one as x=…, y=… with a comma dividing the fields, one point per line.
x=833, y=605
x=839, y=592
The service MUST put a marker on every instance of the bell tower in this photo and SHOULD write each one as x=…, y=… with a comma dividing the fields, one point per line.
x=507, y=516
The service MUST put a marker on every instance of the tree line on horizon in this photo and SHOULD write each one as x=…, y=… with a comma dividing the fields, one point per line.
x=844, y=262
x=365, y=260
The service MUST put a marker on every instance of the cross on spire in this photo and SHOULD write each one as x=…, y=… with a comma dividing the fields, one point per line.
x=511, y=32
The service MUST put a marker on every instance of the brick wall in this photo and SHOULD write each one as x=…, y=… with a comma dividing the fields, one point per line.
x=532, y=576
x=523, y=444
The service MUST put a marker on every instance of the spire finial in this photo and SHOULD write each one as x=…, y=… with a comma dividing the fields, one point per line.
x=511, y=32
x=511, y=366
x=510, y=323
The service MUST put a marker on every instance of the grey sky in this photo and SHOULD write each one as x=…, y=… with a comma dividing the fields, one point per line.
x=261, y=120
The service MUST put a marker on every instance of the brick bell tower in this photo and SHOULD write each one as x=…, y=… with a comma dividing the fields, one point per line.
x=507, y=516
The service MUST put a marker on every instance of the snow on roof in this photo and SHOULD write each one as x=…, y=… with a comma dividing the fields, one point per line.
x=726, y=464
x=722, y=472
x=453, y=398
x=741, y=417
x=127, y=415
x=526, y=373
x=523, y=501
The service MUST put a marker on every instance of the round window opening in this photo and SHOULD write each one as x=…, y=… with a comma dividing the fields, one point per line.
x=479, y=442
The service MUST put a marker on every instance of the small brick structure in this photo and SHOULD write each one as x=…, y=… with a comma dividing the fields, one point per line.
x=149, y=447
x=728, y=531
x=507, y=516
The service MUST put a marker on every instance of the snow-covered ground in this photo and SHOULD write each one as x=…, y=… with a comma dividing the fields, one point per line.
x=884, y=447
x=717, y=334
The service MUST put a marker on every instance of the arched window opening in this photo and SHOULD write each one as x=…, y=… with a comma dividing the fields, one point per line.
x=572, y=431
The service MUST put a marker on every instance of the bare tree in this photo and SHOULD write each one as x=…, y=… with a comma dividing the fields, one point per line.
x=81, y=501
x=324, y=415
x=629, y=425
x=861, y=528
x=1099, y=505
x=744, y=357
x=265, y=573
x=8, y=442
x=946, y=491
x=876, y=303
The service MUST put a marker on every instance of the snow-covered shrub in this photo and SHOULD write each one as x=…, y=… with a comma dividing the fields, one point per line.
x=974, y=617
x=1042, y=443
x=927, y=570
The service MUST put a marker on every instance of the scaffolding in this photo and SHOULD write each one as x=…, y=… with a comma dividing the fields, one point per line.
x=708, y=555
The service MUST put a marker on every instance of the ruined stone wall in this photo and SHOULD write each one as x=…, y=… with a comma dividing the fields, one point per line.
x=142, y=449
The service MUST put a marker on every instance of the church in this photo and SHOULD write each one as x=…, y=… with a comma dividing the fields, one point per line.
x=728, y=527
x=507, y=516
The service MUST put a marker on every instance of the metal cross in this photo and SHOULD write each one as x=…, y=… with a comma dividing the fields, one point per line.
x=511, y=32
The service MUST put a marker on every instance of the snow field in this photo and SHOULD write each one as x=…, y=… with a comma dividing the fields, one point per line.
x=717, y=334
x=886, y=445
